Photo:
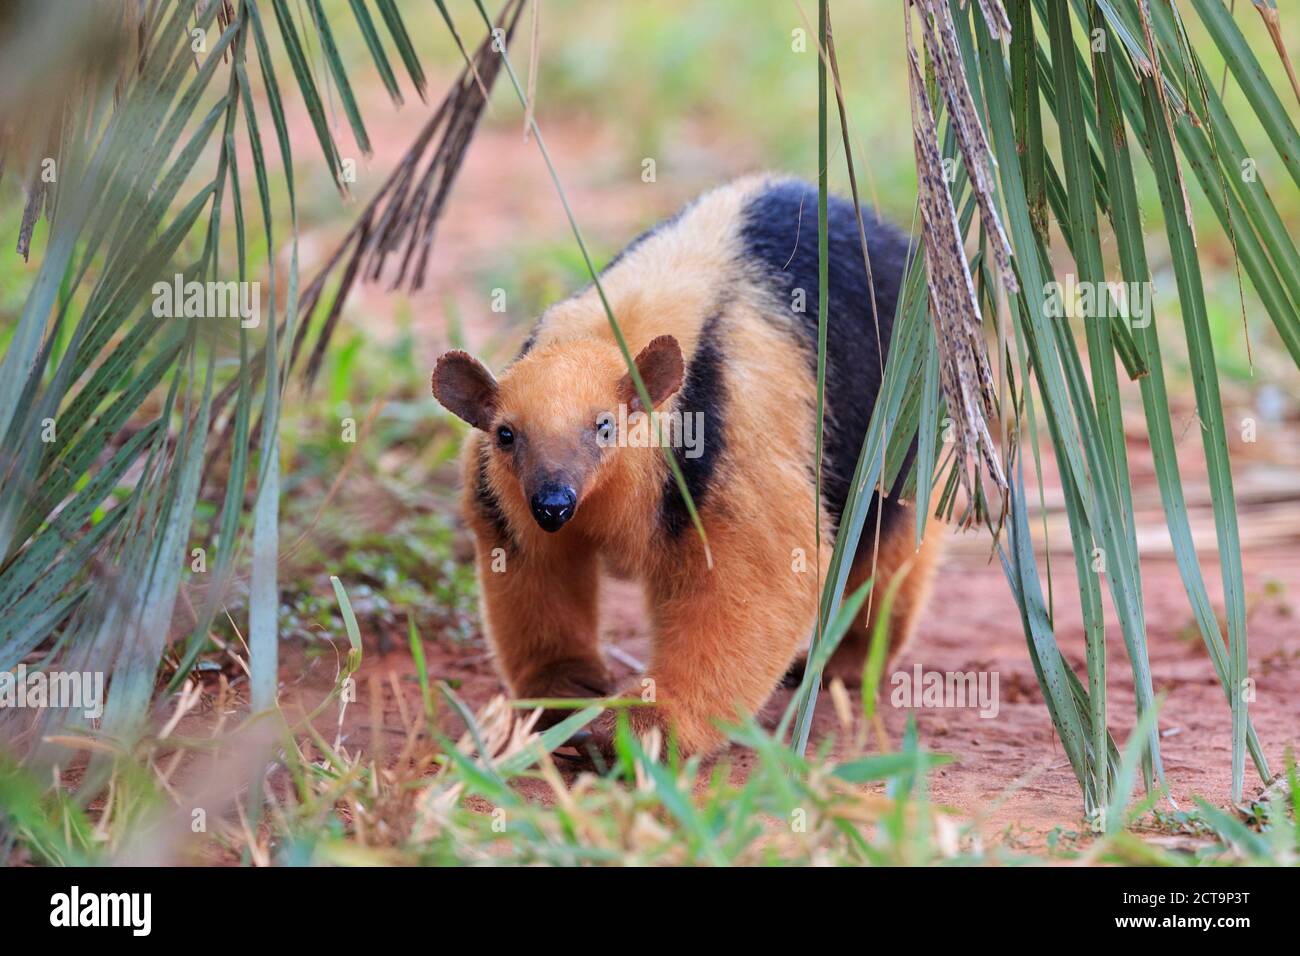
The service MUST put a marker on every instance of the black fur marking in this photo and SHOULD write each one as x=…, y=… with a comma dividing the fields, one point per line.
x=488, y=506
x=779, y=232
x=529, y=342
x=704, y=392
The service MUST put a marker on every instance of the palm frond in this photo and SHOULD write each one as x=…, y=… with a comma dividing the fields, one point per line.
x=97, y=511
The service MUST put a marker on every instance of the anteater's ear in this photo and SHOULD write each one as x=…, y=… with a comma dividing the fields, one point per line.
x=661, y=367
x=465, y=388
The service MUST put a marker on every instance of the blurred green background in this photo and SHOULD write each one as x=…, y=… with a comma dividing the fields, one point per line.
x=708, y=92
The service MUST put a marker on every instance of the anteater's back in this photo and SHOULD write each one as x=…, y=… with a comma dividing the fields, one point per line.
x=733, y=276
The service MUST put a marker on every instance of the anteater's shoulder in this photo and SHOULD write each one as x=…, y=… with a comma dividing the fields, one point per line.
x=763, y=228
x=756, y=235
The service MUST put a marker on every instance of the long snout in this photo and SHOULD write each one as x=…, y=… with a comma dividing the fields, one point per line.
x=553, y=505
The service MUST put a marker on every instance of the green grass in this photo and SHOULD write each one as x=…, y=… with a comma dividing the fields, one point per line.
x=731, y=89
x=474, y=801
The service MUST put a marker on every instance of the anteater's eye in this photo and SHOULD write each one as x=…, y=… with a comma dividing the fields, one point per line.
x=605, y=429
x=505, y=437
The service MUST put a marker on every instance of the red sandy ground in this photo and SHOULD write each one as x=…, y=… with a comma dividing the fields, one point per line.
x=972, y=622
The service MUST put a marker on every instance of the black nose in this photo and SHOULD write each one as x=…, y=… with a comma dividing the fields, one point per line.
x=553, y=505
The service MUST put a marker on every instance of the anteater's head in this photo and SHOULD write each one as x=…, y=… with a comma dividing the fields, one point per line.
x=553, y=419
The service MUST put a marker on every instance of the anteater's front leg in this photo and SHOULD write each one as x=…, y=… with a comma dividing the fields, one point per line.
x=723, y=638
x=540, y=611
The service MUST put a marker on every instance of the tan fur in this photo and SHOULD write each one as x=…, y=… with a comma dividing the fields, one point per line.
x=723, y=637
